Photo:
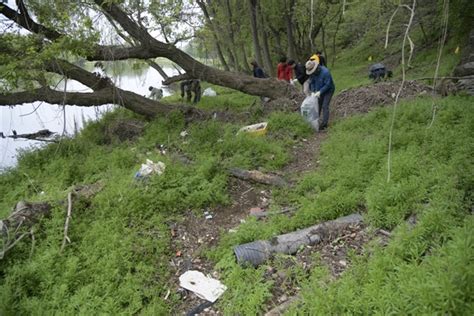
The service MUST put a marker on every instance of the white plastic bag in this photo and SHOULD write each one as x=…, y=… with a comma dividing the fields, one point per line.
x=310, y=111
x=149, y=168
x=209, y=92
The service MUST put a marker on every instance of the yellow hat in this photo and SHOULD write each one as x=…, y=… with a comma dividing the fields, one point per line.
x=314, y=58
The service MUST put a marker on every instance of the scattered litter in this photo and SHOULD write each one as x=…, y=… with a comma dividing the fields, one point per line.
x=283, y=298
x=178, y=253
x=232, y=230
x=209, y=92
x=149, y=168
x=205, y=287
x=183, y=134
x=255, y=129
x=167, y=295
x=162, y=149
x=255, y=211
x=208, y=215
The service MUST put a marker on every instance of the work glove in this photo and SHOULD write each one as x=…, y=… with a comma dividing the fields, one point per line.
x=316, y=94
x=294, y=81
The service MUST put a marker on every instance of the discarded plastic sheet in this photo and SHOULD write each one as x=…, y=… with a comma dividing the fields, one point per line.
x=255, y=129
x=207, y=288
x=209, y=92
x=149, y=168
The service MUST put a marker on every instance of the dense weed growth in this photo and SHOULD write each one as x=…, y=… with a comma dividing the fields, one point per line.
x=426, y=268
x=118, y=259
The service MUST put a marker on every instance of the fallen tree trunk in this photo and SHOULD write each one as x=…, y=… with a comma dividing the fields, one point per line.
x=39, y=136
x=260, y=215
x=257, y=176
x=257, y=252
x=280, y=309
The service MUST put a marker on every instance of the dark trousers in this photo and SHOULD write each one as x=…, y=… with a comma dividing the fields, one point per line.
x=324, y=101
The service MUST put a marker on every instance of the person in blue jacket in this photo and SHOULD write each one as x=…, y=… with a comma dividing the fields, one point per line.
x=321, y=86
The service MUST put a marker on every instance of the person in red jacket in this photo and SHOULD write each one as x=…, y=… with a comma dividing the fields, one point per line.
x=282, y=72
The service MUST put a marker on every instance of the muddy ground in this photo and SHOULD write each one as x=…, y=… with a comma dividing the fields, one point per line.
x=364, y=99
x=202, y=229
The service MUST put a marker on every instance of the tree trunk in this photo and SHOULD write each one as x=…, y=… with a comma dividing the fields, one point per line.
x=253, y=24
x=259, y=177
x=267, y=59
x=289, y=29
x=333, y=59
x=202, y=5
x=158, y=68
x=230, y=29
x=104, y=91
x=244, y=54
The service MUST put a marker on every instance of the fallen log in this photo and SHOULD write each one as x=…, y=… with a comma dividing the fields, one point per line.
x=280, y=309
x=263, y=214
x=257, y=176
x=25, y=214
x=257, y=252
x=40, y=135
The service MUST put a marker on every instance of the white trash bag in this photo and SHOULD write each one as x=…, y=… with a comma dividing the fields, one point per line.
x=310, y=111
x=209, y=92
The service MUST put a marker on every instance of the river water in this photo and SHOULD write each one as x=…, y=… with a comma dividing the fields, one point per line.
x=32, y=117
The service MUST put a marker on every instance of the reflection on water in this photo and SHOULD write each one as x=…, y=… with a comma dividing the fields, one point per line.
x=32, y=117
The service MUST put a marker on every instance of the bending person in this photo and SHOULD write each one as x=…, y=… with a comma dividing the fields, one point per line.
x=322, y=86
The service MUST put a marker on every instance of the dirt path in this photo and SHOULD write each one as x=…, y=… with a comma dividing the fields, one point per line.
x=202, y=229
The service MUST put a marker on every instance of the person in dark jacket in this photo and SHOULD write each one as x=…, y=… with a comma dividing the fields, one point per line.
x=257, y=70
x=321, y=86
x=301, y=77
x=189, y=87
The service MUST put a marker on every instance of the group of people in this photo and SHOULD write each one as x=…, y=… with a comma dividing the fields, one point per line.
x=314, y=77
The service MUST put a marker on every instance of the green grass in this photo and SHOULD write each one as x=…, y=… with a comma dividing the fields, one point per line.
x=431, y=177
x=118, y=259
